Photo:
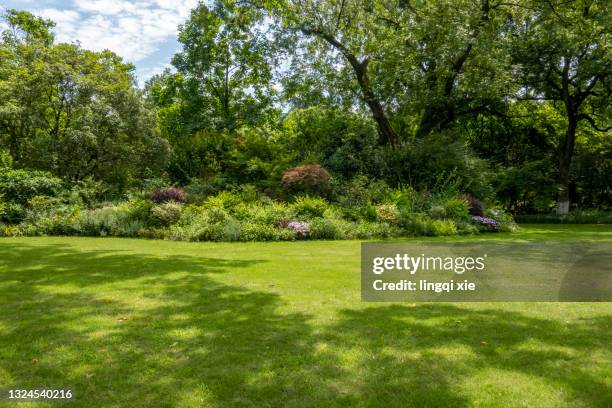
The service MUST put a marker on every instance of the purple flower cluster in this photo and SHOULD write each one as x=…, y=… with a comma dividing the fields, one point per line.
x=489, y=222
x=302, y=228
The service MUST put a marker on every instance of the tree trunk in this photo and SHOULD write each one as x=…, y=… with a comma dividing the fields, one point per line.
x=385, y=130
x=387, y=134
x=433, y=117
x=566, y=153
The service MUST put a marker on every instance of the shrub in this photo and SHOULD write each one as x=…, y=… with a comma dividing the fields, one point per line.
x=302, y=229
x=504, y=220
x=466, y=228
x=167, y=213
x=154, y=233
x=21, y=185
x=361, y=191
x=444, y=227
x=140, y=210
x=405, y=198
x=388, y=213
x=262, y=232
x=309, y=179
x=417, y=224
x=344, y=229
x=51, y=217
x=102, y=221
x=574, y=217
x=87, y=192
x=369, y=230
x=475, y=206
x=486, y=223
x=12, y=213
x=198, y=190
x=309, y=207
x=225, y=199
x=321, y=228
x=169, y=194
x=278, y=214
x=457, y=208
x=248, y=193
x=232, y=230
x=437, y=212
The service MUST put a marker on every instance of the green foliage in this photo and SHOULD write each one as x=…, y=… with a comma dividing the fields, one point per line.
x=323, y=228
x=409, y=140
x=102, y=221
x=309, y=207
x=225, y=200
x=416, y=224
x=357, y=196
x=504, y=219
x=341, y=141
x=456, y=208
x=370, y=230
x=530, y=187
x=573, y=217
x=273, y=213
x=12, y=212
x=73, y=112
x=437, y=212
x=388, y=213
x=262, y=232
x=444, y=227
x=19, y=185
x=437, y=162
x=166, y=214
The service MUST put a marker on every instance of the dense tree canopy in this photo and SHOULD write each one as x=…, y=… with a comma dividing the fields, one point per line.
x=507, y=101
x=71, y=111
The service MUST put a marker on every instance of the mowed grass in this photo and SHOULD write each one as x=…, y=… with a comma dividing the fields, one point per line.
x=140, y=323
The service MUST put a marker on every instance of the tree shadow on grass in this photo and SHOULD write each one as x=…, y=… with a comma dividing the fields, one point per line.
x=83, y=319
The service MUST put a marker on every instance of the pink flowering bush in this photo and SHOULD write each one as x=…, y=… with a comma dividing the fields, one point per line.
x=301, y=228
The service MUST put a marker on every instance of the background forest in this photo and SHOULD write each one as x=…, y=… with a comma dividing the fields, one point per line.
x=287, y=119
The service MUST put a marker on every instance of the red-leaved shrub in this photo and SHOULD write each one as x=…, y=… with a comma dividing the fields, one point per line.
x=309, y=178
x=165, y=195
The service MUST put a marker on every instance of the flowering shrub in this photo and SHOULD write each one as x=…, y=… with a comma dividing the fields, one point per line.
x=169, y=194
x=301, y=228
x=486, y=222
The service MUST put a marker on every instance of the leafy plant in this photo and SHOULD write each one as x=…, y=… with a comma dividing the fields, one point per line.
x=169, y=194
x=167, y=213
x=309, y=207
x=308, y=179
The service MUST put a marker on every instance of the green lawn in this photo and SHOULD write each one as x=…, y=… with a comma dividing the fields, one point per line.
x=138, y=323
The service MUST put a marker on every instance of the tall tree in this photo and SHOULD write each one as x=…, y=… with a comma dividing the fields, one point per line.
x=224, y=67
x=71, y=111
x=563, y=55
x=432, y=60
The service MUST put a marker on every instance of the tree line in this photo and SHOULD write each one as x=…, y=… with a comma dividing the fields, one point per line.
x=508, y=100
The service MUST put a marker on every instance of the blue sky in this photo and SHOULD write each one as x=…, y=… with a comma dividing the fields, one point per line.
x=143, y=32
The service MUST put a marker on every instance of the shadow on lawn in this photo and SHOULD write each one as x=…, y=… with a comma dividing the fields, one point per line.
x=193, y=341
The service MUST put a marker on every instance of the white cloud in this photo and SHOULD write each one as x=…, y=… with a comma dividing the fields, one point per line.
x=132, y=29
x=146, y=73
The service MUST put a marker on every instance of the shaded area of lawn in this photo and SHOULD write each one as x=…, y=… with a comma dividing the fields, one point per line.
x=124, y=328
